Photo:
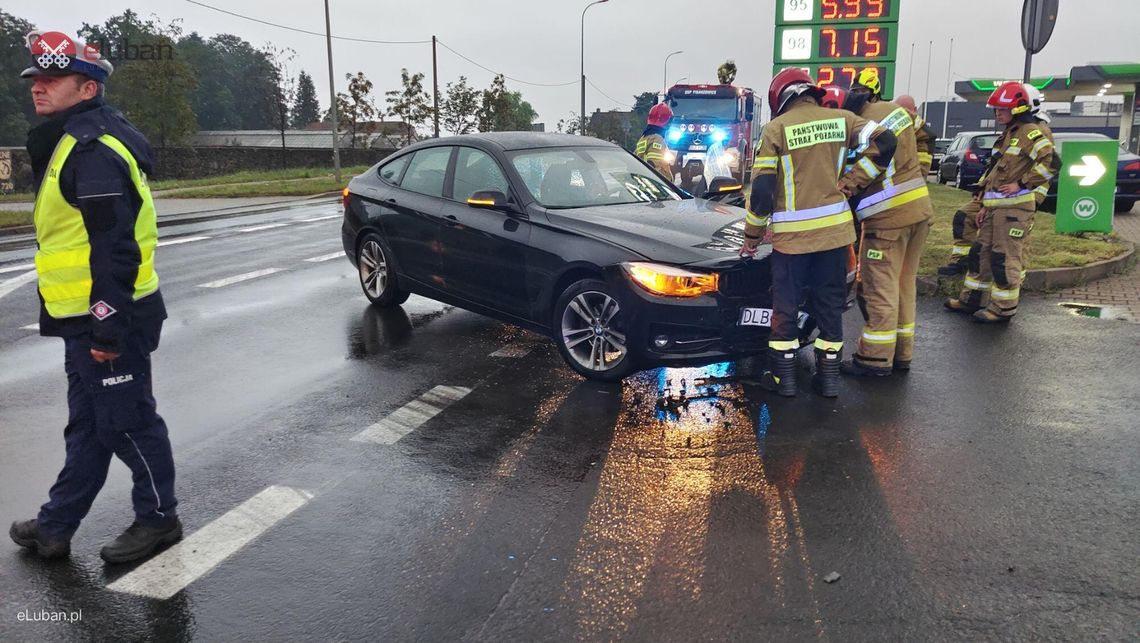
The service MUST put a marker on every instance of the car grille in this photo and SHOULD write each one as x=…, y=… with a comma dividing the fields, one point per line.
x=750, y=279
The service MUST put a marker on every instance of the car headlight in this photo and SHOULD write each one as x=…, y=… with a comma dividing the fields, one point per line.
x=719, y=135
x=674, y=134
x=671, y=281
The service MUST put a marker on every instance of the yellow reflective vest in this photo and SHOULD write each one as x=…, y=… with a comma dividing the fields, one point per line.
x=63, y=258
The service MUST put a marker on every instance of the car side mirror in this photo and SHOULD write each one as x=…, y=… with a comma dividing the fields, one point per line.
x=488, y=200
x=724, y=185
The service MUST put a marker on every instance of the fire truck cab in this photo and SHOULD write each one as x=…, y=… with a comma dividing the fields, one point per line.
x=711, y=124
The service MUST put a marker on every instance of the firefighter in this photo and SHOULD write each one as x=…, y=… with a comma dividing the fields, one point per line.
x=895, y=215
x=96, y=233
x=923, y=135
x=799, y=190
x=1018, y=179
x=833, y=96
x=651, y=146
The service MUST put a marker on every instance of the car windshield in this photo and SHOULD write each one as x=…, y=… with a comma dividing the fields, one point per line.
x=704, y=108
x=566, y=177
x=985, y=142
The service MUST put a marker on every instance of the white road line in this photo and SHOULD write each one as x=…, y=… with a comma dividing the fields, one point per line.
x=258, y=228
x=324, y=218
x=409, y=417
x=200, y=553
x=6, y=287
x=35, y=326
x=239, y=278
x=514, y=350
x=328, y=257
x=23, y=266
x=177, y=240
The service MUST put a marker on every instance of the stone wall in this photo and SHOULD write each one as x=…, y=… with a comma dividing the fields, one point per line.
x=202, y=162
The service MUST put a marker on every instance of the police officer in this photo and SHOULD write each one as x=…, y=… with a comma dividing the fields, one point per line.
x=96, y=230
x=895, y=213
x=799, y=189
x=651, y=146
x=1016, y=182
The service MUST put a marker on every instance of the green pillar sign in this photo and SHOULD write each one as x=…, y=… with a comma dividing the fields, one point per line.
x=1087, y=186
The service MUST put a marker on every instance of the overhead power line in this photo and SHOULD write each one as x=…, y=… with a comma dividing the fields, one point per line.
x=306, y=31
x=599, y=90
x=517, y=80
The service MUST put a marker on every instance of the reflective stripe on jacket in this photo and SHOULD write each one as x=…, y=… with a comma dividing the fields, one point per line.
x=63, y=258
x=898, y=198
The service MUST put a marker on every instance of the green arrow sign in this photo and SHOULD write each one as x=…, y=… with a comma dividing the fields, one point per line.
x=1087, y=186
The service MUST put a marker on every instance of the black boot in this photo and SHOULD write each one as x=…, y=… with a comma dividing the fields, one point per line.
x=826, y=380
x=139, y=542
x=780, y=377
x=953, y=269
x=27, y=534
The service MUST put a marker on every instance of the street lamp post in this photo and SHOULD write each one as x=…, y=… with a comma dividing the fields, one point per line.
x=665, y=76
x=582, y=129
x=332, y=97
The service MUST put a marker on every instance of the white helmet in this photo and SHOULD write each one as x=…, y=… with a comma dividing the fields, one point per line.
x=1036, y=99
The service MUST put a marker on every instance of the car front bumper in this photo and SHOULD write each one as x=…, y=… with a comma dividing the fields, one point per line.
x=692, y=331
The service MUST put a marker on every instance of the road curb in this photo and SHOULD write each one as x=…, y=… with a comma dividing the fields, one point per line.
x=1045, y=279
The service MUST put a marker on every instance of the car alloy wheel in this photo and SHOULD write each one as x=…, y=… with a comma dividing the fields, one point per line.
x=373, y=269
x=590, y=335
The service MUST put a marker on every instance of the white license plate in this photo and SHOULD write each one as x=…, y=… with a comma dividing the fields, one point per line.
x=756, y=317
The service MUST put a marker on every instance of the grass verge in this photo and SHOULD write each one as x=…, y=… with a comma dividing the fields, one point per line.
x=1047, y=249
x=9, y=218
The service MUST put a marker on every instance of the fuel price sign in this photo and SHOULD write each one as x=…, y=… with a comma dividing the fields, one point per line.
x=835, y=39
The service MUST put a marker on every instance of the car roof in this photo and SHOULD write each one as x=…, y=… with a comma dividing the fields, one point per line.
x=508, y=141
x=978, y=133
x=1078, y=135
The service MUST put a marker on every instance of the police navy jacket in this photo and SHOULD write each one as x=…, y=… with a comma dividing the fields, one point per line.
x=92, y=172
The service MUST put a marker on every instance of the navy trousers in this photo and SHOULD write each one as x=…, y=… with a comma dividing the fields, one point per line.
x=823, y=276
x=111, y=412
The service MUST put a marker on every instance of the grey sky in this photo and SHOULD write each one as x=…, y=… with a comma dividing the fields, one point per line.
x=626, y=40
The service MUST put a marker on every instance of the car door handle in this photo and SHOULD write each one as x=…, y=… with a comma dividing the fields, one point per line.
x=451, y=220
x=391, y=200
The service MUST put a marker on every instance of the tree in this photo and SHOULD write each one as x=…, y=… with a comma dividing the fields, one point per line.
x=248, y=74
x=285, y=88
x=213, y=101
x=503, y=110
x=355, y=110
x=459, y=110
x=16, y=110
x=154, y=92
x=572, y=124
x=306, y=109
x=642, y=103
x=412, y=103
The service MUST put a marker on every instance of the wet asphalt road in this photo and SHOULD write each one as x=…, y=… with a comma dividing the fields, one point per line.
x=992, y=493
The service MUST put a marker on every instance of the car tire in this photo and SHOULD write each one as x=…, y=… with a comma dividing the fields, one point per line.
x=958, y=183
x=1124, y=205
x=589, y=326
x=377, y=273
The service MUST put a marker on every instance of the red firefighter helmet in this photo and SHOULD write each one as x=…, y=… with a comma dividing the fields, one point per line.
x=660, y=115
x=834, y=96
x=789, y=84
x=1012, y=96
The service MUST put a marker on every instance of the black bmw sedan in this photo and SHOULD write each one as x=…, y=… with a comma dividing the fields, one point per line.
x=569, y=236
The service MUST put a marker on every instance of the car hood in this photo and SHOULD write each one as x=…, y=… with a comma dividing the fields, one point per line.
x=690, y=231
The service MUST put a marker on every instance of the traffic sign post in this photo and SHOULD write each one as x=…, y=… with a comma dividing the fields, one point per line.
x=1086, y=187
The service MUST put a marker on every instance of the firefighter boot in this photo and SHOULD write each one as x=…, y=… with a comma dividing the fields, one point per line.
x=987, y=316
x=780, y=377
x=826, y=379
x=954, y=268
x=27, y=534
x=956, y=305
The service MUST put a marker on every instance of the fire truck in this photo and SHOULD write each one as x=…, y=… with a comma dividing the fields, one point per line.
x=723, y=119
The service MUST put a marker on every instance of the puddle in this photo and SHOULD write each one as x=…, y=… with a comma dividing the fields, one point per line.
x=1098, y=312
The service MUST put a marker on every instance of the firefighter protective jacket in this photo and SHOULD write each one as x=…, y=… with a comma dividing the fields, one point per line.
x=799, y=166
x=924, y=138
x=1022, y=155
x=651, y=148
x=898, y=197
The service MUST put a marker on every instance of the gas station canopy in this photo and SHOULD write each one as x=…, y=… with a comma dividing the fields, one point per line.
x=1087, y=80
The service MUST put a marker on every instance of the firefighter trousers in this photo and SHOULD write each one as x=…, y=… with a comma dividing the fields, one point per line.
x=965, y=230
x=997, y=261
x=888, y=267
x=823, y=275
